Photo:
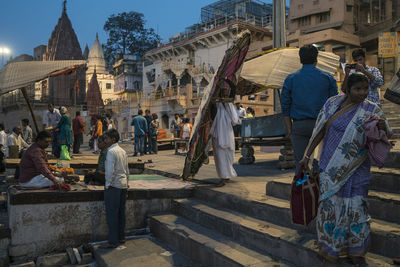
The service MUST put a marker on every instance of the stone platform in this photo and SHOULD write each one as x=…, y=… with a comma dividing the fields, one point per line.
x=141, y=251
x=43, y=221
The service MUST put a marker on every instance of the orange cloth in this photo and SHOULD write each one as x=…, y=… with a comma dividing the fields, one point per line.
x=98, y=129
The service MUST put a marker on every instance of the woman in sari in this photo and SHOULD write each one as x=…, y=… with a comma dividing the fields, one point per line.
x=64, y=126
x=343, y=223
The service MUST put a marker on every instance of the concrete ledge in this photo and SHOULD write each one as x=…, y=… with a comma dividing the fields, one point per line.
x=12, y=163
x=20, y=197
x=42, y=222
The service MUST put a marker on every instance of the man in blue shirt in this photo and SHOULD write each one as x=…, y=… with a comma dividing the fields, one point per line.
x=304, y=93
x=141, y=130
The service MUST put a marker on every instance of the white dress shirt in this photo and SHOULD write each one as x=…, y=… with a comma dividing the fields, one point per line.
x=116, y=167
x=15, y=140
x=53, y=118
x=3, y=141
x=27, y=134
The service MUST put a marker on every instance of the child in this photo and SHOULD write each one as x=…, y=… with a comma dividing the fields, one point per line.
x=116, y=177
x=97, y=177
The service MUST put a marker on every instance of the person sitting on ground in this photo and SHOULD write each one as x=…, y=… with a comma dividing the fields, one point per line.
x=15, y=139
x=97, y=177
x=116, y=176
x=34, y=168
x=27, y=134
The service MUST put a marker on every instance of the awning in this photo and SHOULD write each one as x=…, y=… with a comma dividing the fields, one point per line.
x=270, y=69
x=21, y=74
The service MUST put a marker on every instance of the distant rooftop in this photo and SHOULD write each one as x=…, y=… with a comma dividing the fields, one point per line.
x=224, y=12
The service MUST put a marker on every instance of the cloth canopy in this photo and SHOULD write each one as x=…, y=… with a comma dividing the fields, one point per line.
x=271, y=68
x=393, y=91
x=21, y=74
x=227, y=73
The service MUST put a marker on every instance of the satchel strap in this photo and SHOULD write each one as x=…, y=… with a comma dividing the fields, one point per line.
x=338, y=114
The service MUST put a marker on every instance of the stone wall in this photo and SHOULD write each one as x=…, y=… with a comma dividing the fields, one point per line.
x=44, y=226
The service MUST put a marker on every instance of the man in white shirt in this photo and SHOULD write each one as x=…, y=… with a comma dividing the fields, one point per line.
x=3, y=139
x=15, y=139
x=53, y=116
x=27, y=134
x=116, y=187
x=237, y=128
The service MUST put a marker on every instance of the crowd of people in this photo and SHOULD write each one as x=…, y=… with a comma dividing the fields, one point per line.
x=315, y=115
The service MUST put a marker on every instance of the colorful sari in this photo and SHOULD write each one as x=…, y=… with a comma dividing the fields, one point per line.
x=343, y=221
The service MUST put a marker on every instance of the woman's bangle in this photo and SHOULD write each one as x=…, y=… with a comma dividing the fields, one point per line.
x=307, y=157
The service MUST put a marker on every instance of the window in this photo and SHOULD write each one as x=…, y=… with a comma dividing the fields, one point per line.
x=322, y=18
x=315, y=2
x=305, y=21
x=349, y=8
x=108, y=85
x=263, y=98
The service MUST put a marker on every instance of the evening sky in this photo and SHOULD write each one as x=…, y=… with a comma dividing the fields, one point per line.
x=25, y=24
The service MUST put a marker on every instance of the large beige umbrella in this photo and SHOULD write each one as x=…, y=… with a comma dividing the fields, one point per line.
x=18, y=75
x=271, y=69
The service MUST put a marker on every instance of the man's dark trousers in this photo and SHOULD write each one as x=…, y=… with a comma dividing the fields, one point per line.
x=77, y=142
x=301, y=134
x=55, y=147
x=139, y=144
x=115, y=200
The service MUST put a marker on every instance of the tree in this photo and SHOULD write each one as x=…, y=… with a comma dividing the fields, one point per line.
x=127, y=34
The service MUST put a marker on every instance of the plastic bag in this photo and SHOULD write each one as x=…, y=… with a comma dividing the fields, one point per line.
x=64, y=153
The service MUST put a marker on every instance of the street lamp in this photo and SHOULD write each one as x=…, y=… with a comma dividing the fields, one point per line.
x=4, y=51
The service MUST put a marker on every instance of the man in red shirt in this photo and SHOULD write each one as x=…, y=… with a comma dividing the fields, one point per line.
x=78, y=127
x=35, y=172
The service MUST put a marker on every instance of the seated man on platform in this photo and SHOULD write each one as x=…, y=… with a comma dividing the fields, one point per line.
x=97, y=177
x=15, y=139
x=34, y=168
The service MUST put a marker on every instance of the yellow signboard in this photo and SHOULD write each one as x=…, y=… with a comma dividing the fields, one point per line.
x=387, y=44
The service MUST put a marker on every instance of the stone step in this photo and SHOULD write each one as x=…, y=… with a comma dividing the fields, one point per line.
x=138, y=252
x=385, y=180
x=285, y=242
x=204, y=245
x=395, y=129
x=394, y=122
x=382, y=205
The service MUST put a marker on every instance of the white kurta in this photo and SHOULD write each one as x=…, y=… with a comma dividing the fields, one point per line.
x=224, y=140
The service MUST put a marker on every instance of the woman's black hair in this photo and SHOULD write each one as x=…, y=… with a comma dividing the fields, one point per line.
x=355, y=78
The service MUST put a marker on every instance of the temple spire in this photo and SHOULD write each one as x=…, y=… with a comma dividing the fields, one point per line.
x=64, y=6
x=97, y=36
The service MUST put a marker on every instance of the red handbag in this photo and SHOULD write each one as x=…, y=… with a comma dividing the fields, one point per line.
x=304, y=198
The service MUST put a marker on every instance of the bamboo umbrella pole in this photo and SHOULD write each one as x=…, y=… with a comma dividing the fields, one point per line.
x=25, y=94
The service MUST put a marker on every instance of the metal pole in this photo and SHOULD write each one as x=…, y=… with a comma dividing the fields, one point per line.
x=279, y=38
x=279, y=25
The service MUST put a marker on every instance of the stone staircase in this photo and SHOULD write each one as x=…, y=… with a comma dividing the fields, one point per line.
x=220, y=227
x=392, y=113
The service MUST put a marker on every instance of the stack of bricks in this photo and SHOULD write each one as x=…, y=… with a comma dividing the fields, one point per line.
x=286, y=159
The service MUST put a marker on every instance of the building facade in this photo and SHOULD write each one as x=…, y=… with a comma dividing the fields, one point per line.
x=340, y=26
x=176, y=74
x=128, y=89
